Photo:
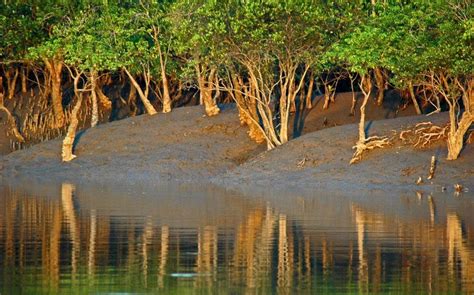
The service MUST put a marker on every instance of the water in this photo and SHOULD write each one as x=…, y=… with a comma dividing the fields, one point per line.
x=188, y=239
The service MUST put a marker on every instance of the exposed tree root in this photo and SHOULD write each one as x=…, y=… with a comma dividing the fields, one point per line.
x=423, y=134
x=370, y=143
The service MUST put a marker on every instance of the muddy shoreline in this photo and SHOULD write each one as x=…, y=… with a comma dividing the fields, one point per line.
x=184, y=146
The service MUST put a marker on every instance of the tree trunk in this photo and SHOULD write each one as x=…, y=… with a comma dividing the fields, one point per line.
x=164, y=79
x=327, y=96
x=148, y=106
x=456, y=138
x=354, y=99
x=244, y=118
x=218, y=89
x=68, y=142
x=247, y=110
x=1, y=91
x=201, y=84
x=24, y=77
x=284, y=112
x=413, y=98
x=12, y=76
x=292, y=98
x=380, y=81
x=132, y=100
x=458, y=131
x=205, y=89
x=55, y=69
x=166, y=94
x=366, y=89
x=95, y=107
x=289, y=91
x=309, y=95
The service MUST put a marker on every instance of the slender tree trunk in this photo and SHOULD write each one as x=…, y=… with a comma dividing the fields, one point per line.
x=366, y=89
x=68, y=142
x=247, y=110
x=1, y=91
x=366, y=143
x=292, y=98
x=257, y=90
x=205, y=89
x=380, y=81
x=164, y=79
x=24, y=77
x=309, y=95
x=239, y=100
x=55, y=69
x=166, y=94
x=289, y=91
x=95, y=107
x=12, y=76
x=148, y=106
x=132, y=100
x=413, y=98
x=201, y=84
x=218, y=89
x=284, y=111
x=327, y=96
x=354, y=98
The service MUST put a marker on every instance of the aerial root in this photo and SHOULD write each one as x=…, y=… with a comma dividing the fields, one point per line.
x=370, y=143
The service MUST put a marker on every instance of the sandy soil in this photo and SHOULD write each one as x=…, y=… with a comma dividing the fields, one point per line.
x=186, y=146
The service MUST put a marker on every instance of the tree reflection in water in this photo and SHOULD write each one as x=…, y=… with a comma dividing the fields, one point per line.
x=51, y=244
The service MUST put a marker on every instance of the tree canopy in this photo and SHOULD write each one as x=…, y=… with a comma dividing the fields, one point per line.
x=262, y=53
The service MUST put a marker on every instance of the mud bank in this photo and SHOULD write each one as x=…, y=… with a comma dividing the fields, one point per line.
x=320, y=161
x=184, y=146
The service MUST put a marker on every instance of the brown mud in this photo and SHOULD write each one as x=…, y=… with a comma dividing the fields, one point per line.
x=185, y=146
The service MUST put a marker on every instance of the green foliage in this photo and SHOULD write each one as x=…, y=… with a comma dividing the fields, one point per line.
x=19, y=29
x=409, y=40
x=98, y=40
x=405, y=38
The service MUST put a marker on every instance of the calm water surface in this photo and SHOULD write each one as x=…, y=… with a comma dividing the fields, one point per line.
x=187, y=239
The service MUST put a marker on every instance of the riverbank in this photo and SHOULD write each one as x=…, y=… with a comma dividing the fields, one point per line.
x=185, y=146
